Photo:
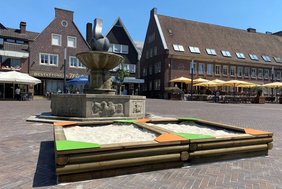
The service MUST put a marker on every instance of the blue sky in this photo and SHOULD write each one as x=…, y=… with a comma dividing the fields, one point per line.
x=264, y=15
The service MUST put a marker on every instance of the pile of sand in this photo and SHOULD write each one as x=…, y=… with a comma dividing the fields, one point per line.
x=108, y=134
x=191, y=127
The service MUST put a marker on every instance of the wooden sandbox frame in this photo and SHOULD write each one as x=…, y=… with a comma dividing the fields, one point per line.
x=127, y=158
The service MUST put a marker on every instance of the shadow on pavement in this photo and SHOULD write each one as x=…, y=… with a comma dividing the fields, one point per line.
x=45, y=170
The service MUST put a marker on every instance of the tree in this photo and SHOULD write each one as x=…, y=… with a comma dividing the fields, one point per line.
x=121, y=74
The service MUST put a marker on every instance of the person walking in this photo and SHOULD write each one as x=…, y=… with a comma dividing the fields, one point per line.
x=18, y=93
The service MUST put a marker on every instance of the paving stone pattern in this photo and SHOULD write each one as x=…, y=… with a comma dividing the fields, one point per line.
x=27, y=157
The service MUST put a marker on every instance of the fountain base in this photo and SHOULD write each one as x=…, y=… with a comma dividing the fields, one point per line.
x=98, y=105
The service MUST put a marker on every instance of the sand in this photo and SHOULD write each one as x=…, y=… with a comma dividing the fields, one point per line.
x=191, y=127
x=108, y=134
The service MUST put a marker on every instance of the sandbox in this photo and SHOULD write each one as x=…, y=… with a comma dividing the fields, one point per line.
x=108, y=148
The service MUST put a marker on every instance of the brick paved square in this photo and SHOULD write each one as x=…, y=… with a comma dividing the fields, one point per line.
x=27, y=157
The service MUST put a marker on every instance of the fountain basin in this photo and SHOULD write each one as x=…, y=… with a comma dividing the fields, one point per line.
x=98, y=60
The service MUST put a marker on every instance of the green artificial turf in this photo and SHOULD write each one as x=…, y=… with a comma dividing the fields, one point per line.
x=74, y=145
x=125, y=121
x=194, y=136
x=188, y=119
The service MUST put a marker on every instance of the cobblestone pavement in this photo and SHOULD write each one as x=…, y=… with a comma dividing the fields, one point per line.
x=27, y=157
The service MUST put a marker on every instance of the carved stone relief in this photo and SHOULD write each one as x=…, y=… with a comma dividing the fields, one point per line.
x=137, y=107
x=107, y=109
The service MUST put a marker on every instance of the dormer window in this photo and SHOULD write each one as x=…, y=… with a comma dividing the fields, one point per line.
x=240, y=55
x=266, y=58
x=253, y=57
x=194, y=50
x=278, y=59
x=178, y=48
x=211, y=52
x=226, y=53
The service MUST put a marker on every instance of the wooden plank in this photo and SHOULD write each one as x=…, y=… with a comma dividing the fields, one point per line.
x=124, y=154
x=119, y=171
x=147, y=127
x=232, y=150
x=221, y=125
x=231, y=143
x=120, y=163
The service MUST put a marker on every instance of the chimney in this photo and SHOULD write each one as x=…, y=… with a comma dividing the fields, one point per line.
x=251, y=30
x=88, y=32
x=22, y=27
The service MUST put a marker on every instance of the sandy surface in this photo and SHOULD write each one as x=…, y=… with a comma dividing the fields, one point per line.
x=108, y=134
x=191, y=127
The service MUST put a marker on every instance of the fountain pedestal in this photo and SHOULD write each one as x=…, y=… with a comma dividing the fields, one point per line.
x=99, y=100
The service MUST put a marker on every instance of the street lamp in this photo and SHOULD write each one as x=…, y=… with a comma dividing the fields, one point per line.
x=65, y=65
x=192, y=78
x=272, y=79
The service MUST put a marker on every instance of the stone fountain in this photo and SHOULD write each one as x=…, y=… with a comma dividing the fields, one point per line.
x=99, y=100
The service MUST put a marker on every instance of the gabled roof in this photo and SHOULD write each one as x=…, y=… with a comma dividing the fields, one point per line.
x=190, y=33
x=119, y=23
x=15, y=33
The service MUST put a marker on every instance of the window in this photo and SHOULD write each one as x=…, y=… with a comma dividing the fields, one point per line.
x=118, y=48
x=155, y=51
x=44, y=58
x=246, y=72
x=151, y=37
x=75, y=63
x=144, y=71
x=10, y=40
x=266, y=73
x=53, y=59
x=147, y=54
x=278, y=59
x=253, y=57
x=224, y=70
x=240, y=71
x=226, y=53
x=48, y=59
x=178, y=48
x=151, y=52
x=131, y=68
x=266, y=58
x=211, y=52
x=217, y=69
x=240, y=55
x=193, y=64
x=157, y=84
x=253, y=72
x=260, y=73
x=278, y=75
x=71, y=41
x=19, y=41
x=209, y=69
x=150, y=70
x=150, y=85
x=194, y=50
x=232, y=71
x=201, y=68
x=56, y=39
x=144, y=86
x=157, y=67
x=1, y=41
x=124, y=49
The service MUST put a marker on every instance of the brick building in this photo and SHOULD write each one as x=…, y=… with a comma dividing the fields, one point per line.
x=14, y=53
x=172, y=44
x=47, y=53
